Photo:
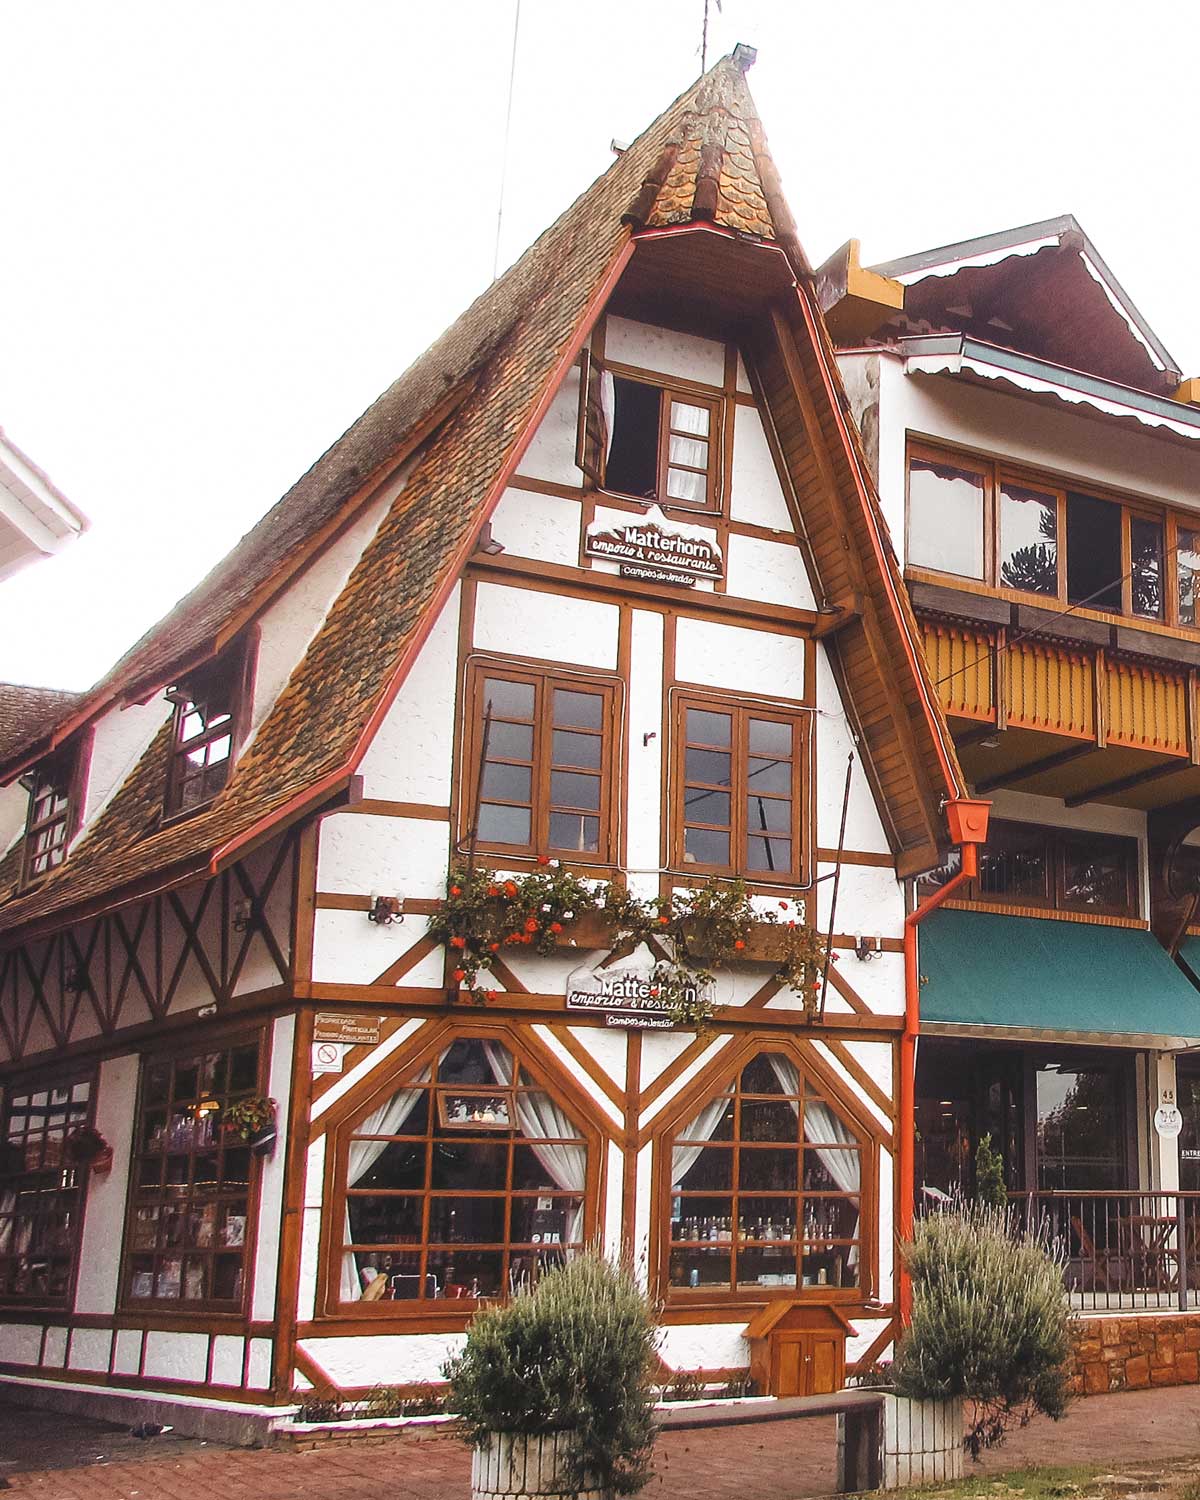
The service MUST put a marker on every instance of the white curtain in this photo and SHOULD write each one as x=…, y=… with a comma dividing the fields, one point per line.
x=608, y=405
x=386, y=1120
x=541, y=1120
x=823, y=1128
x=702, y=1129
x=8, y=1202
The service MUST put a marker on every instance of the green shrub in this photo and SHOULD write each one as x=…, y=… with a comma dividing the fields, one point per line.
x=574, y=1353
x=990, y=1186
x=990, y=1320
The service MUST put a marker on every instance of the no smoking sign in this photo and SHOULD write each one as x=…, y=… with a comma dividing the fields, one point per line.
x=327, y=1057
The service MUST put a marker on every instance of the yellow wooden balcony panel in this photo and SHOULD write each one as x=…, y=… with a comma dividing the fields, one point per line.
x=960, y=663
x=1146, y=708
x=1051, y=689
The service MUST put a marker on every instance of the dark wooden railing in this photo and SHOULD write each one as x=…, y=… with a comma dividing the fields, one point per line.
x=1123, y=1250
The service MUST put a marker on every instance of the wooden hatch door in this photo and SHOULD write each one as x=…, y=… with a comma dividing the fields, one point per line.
x=798, y=1349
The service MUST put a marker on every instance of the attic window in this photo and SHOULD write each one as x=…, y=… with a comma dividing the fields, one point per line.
x=204, y=733
x=52, y=793
x=649, y=441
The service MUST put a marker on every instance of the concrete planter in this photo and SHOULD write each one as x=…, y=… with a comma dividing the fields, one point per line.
x=922, y=1441
x=510, y=1466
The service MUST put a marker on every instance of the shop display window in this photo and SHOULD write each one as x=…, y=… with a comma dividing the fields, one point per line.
x=192, y=1188
x=41, y=1191
x=467, y=1181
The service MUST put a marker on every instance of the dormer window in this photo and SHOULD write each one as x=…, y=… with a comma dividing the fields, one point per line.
x=52, y=795
x=204, y=734
x=649, y=440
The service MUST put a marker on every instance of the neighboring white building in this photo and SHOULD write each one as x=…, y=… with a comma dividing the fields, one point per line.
x=36, y=518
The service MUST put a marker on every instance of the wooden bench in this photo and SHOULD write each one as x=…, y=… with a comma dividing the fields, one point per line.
x=860, y=1442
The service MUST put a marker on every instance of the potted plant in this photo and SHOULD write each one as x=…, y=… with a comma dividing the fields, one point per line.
x=555, y=1387
x=990, y=1328
x=86, y=1147
x=254, y=1120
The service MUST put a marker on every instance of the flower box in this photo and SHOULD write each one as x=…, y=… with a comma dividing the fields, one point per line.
x=765, y=942
x=922, y=1441
x=590, y=930
x=512, y=1466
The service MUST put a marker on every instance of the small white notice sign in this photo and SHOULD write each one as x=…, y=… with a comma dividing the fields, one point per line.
x=327, y=1057
x=1168, y=1121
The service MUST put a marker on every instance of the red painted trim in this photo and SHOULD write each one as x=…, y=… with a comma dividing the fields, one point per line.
x=550, y=388
x=906, y=1124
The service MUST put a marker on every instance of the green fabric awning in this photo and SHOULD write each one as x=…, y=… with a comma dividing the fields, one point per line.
x=1034, y=976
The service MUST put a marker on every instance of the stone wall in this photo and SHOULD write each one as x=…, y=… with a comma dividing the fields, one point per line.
x=1130, y=1354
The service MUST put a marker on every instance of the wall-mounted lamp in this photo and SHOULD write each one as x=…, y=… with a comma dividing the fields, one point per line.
x=866, y=948
x=244, y=915
x=75, y=981
x=488, y=543
x=385, y=910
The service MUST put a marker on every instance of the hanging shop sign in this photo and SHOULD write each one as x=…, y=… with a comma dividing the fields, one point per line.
x=350, y=1031
x=657, y=550
x=625, y=995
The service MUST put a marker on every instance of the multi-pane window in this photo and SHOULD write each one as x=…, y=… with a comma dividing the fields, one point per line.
x=974, y=519
x=740, y=778
x=48, y=827
x=539, y=753
x=650, y=441
x=202, y=736
x=191, y=1192
x=41, y=1192
x=466, y=1181
x=766, y=1189
x=1057, y=868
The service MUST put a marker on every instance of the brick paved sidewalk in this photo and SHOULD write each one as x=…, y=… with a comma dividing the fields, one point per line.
x=783, y=1460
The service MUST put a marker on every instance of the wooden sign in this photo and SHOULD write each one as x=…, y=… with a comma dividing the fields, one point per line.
x=351, y=1031
x=627, y=996
x=657, y=550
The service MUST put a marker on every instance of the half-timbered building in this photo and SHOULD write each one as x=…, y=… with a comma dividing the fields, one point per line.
x=601, y=585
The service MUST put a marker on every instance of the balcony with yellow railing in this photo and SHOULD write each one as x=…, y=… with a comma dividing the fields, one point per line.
x=1078, y=722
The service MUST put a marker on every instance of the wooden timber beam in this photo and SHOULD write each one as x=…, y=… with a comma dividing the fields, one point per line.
x=1034, y=768
x=837, y=615
x=1127, y=783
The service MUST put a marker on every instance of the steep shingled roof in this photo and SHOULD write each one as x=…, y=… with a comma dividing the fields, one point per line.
x=515, y=336
x=26, y=712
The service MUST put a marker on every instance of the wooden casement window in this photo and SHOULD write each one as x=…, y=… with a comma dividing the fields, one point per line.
x=765, y=1190
x=981, y=520
x=192, y=1188
x=53, y=787
x=539, y=763
x=738, y=796
x=648, y=439
x=206, y=730
x=1055, y=869
x=41, y=1192
x=465, y=1180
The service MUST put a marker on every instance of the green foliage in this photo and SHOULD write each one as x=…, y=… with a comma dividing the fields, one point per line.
x=573, y=1353
x=246, y=1117
x=705, y=927
x=990, y=1320
x=484, y=913
x=990, y=1186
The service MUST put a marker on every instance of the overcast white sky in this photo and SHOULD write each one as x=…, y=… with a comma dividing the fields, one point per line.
x=228, y=226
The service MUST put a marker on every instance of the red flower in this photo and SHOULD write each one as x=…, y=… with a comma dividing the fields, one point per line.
x=833, y=958
x=513, y=937
x=493, y=890
x=494, y=947
x=816, y=984
x=525, y=937
x=460, y=974
x=662, y=921
x=456, y=890
x=510, y=888
x=543, y=859
x=531, y=924
x=792, y=924
x=739, y=944
x=556, y=927
x=783, y=906
x=654, y=991
x=458, y=942
x=491, y=994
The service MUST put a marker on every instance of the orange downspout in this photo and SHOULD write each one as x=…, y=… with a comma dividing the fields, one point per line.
x=968, y=826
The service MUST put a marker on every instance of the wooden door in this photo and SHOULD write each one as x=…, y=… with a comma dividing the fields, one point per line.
x=824, y=1366
x=805, y=1363
x=790, y=1364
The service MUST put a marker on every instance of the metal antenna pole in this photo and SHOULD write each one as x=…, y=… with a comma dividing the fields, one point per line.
x=512, y=73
